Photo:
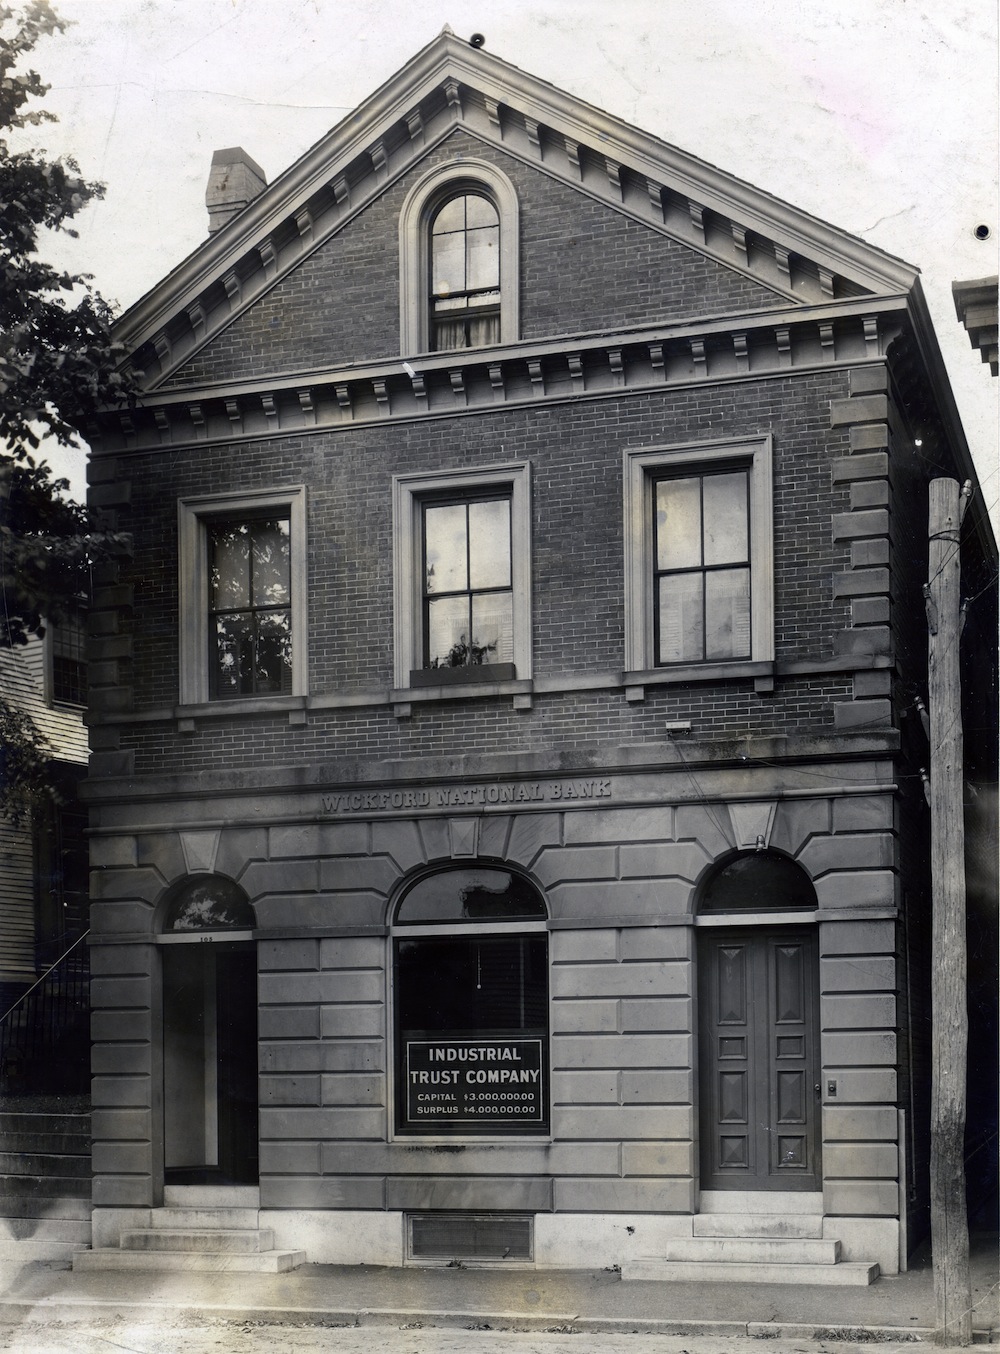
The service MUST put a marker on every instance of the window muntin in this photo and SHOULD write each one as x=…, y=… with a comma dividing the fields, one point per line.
x=468, y=605
x=465, y=274
x=249, y=607
x=242, y=596
x=701, y=567
x=470, y=1001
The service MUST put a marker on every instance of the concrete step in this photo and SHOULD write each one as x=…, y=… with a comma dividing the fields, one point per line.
x=265, y=1262
x=73, y=1231
x=752, y=1250
x=228, y=1219
x=211, y=1196
x=191, y=1239
x=851, y=1273
x=758, y=1225
x=760, y=1201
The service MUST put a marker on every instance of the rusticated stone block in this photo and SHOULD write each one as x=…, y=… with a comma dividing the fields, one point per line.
x=849, y=526
x=872, y=408
x=870, y=467
x=480, y=1193
x=867, y=380
x=861, y=582
x=863, y=714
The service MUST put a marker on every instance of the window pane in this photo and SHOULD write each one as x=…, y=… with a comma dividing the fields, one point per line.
x=484, y=331
x=229, y=565
x=727, y=613
x=445, y=548
x=492, y=628
x=471, y=985
x=470, y=895
x=483, y=259
x=726, y=537
x=273, y=669
x=232, y=661
x=678, y=524
x=680, y=619
x=270, y=563
x=451, y=216
x=489, y=539
x=209, y=904
x=480, y=212
x=448, y=271
x=447, y=632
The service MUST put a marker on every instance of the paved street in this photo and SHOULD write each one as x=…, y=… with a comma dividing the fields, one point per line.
x=172, y=1334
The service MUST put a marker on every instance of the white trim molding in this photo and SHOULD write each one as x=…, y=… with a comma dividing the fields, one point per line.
x=192, y=582
x=642, y=464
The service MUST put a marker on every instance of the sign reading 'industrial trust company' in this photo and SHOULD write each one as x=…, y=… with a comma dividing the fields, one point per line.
x=467, y=796
x=475, y=1083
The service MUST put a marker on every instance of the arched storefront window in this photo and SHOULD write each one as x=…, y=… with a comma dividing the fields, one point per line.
x=470, y=997
x=207, y=902
x=757, y=881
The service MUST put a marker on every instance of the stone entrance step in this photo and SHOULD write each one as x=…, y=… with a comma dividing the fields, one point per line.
x=803, y=1225
x=208, y=1228
x=851, y=1273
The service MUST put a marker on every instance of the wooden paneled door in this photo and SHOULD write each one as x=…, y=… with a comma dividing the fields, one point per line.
x=759, y=1059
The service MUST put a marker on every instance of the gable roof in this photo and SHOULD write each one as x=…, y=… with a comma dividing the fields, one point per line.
x=451, y=83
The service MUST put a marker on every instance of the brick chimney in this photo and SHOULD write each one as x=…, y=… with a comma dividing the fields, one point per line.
x=233, y=181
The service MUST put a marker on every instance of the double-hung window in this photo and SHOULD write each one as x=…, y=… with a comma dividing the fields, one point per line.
x=465, y=273
x=698, y=555
x=468, y=608
x=462, y=576
x=242, y=596
x=458, y=259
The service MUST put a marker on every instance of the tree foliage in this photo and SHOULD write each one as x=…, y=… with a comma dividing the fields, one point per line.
x=57, y=359
x=57, y=369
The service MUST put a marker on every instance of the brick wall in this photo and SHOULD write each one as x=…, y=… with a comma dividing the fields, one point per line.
x=577, y=571
x=341, y=304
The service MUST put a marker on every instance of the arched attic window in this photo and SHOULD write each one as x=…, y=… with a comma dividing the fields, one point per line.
x=207, y=902
x=458, y=247
x=757, y=881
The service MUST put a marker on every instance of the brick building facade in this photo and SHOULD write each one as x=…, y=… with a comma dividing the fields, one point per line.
x=511, y=697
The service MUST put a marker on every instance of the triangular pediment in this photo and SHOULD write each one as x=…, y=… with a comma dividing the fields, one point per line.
x=449, y=84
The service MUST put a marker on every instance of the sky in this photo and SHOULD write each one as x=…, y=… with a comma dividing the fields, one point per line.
x=879, y=116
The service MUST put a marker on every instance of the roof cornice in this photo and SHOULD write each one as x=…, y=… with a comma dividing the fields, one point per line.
x=452, y=84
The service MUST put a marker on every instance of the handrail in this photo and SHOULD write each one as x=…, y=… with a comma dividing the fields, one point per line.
x=38, y=981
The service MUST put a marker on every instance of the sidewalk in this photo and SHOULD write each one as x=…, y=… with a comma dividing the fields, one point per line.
x=578, y=1300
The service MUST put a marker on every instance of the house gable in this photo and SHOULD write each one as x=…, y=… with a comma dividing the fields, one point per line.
x=341, y=303
x=450, y=84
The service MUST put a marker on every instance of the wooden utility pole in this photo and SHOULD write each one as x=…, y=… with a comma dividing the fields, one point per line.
x=949, y=1011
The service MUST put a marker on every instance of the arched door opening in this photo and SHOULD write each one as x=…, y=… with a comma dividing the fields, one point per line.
x=759, y=1053
x=209, y=975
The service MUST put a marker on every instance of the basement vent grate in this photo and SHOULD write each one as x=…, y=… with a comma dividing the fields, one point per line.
x=469, y=1236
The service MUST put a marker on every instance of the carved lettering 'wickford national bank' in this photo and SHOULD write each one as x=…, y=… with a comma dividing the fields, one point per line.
x=466, y=796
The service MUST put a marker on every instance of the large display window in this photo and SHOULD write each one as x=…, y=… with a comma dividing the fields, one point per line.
x=470, y=995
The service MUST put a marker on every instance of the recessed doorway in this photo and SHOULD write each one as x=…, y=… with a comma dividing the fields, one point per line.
x=210, y=1116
